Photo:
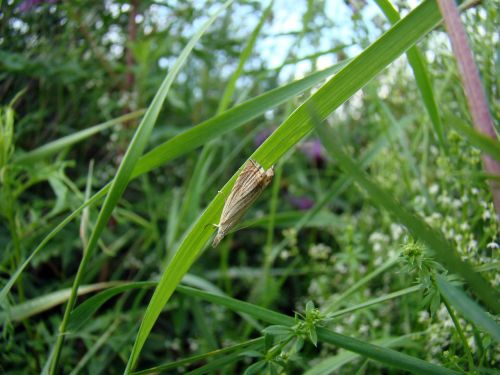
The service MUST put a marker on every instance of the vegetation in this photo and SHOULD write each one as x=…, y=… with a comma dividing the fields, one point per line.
x=123, y=127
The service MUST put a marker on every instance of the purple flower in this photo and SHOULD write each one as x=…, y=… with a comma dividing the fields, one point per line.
x=27, y=5
x=302, y=203
x=314, y=151
x=262, y=136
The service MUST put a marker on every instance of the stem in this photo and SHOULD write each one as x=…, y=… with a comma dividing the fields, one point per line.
x=332, y=306
x=473, y=88
x=460, y=333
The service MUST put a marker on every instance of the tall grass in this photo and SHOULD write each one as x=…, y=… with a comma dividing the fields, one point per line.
x=352, y=286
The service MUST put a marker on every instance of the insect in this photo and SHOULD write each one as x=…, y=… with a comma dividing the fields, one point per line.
x=252, y=180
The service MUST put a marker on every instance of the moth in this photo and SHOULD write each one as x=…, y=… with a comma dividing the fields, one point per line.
x=252, y=180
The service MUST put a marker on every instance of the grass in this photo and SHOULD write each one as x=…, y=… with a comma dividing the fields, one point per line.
x=390, y=266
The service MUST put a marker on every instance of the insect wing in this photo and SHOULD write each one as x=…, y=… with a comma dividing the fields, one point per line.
x=246, y=189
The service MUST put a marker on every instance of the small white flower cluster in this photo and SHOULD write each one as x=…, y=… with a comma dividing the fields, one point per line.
x=319, y=251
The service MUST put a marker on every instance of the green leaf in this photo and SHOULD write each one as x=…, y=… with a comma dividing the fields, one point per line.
x=313, y=336
x=468, y=308
x=255, y=368
x=227, y=121
x=277, y=330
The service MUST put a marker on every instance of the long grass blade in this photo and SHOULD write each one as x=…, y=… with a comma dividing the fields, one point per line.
x=385, y=356
x=418, y=65
x=468, y=308
x=188, y=141
x=120, y=182
x=329, y=97
x=53, y=147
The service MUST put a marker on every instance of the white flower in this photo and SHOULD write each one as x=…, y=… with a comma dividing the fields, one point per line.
x=472, y=244
x=285, y=254
x=434, y=189
x=492, y=245
x=364, y=328
x=423, y=316
x=377, y=237
x=396, y=231
x=457, y=203
x=319, y=251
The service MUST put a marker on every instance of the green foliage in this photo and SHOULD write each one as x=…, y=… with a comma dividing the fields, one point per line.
x=376, y=255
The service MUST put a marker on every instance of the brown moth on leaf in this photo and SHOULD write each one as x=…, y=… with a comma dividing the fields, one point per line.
x=252, y=180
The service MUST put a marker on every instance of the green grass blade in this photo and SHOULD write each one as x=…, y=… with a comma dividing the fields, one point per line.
x=8, y=286
x=332, y=364
x=384, y=355
x=418, y=65
x=43, y=303
x=245, y=55
x=484, y=143
x=374, y=301
x=468, y=308
x=61, y=143
x=188, y=141
x=250, y=344
x=124, y=173
x=329, y=97
x=440, y=247
x=83, y=312
x=334, y=305
x=228, y=120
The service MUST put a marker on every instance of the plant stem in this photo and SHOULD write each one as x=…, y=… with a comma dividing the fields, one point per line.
x=473, y=88
x=460, y=333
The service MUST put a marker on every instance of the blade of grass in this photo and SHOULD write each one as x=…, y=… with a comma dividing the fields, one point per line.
x=374, y=301
x=53, y=147
x=93, y=350
x=228, y=120
x=332, y=306
x=418, y=65
x=200, y=173
x=468, y=308
x=43, y=303
x=332, y=364
x=83, y=312
x=384, y=355
x=125, y=170
x=254, y=343
x=245, y=55
x=187, y=141
x=440, y=247
x=329, y=97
